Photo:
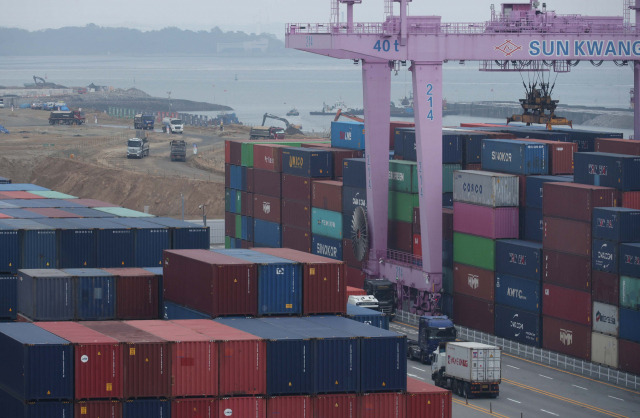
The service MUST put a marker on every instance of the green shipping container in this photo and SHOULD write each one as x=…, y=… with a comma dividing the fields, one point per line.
x=401, y=206
x=474, y=251
x=630, y=292
x=124, y=212
x=238, y=226
x=403, y=176
x=447, y=280
x=326, y=223
x=246, y=154
x=447, y=176
x=227, y=200
x=238, y=202
x=51, y=194
x=227, y=242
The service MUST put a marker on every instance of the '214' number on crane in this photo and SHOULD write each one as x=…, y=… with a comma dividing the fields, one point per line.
x=430, y=100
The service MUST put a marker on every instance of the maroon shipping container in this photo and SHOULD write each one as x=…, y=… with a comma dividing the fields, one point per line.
x=194, y=358
x=97, y=360
x=52, y=212
x=473, y=313
x=98, y=409
x=242, y=407
x=247, y=203
x=628, y=358
x=400, y=236
x=427, y=401
x=560, y=155
x=631, y=200
x=447, y=223
x=297, y=213
x=296, y=187
x=209, y=282
x=348, y=255
x=474, y=281
x=194, y=408
x=137, y=293
x=267, y=183
x=568, y=304
x=566, y=337
x=242, y=357
x=266, y=208
x=566, y=235
x=227, y=176
x=323, y=282
x=246, y=244
x=576, y=201
x=522, y=190
x=327, y=194
x=93, y=203
x=355, y=277
x=289, y=407
x=296, y=238
x=472, y=166
x=382, y=405
x=617, y=146
x=339, y=155
x=416, y=217
x=267, y=157
x=335, y=406
x=145, y=359
x=605, y=287
x=230, y=224
x=227, y=152
x=235, y=153
x=250, y=185
x=417, y=245
x=567, y=270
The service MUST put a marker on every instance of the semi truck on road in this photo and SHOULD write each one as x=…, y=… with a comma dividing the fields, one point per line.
x=432, y=331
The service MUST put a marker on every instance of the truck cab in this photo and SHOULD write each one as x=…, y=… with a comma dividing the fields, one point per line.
x=143, y=121
x=172, y=125
x=384, y=292
x=366, y=301
x=432, y=331
x=137, y=148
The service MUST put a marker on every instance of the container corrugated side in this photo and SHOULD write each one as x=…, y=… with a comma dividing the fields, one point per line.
x=307, y=162
x=568, y=304
x=427, y=401
x=146, y=408
x=609, y=170
x=184, y=235
x=629, y=256
x=604, y=256
x=605, y=318
x=629, y=320
x=630, y=292
x=137, y=293
x=242, y=407
x=95, y=294
x=354, y=173
x=604, y=349
x=474, y=313
x=485, y=188
x=149, y=241
x=335, y=406
x=567, y=235
x=326, y=247
x=485, y=221
x=534, y=188
x=17, y=408
x=8, y=297
x=93, y=408
x=517, y=325
x=576, y=201
x=367, y=316
x=77, y=246
x=567, y=270
x=194, y=408
x=605, y=287
x=474, y=251
x=616, y=224
x=46, y=295
x=289, y=406
x=513, y=156
x=519, y=258
x=628, y=359
x=9, y=250
x=267, y=234
x=518, y=292
x=566, y=337
x=326, y=223
x=173, y=311
x=382, y=405
x=474, y=281
x=347, y=134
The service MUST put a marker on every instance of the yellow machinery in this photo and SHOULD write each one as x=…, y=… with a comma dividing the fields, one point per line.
x=539, y=108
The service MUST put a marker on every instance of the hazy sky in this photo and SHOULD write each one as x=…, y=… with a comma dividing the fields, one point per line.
x=247, y=15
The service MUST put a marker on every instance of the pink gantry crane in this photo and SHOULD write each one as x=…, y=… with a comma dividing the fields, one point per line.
x=521, y=35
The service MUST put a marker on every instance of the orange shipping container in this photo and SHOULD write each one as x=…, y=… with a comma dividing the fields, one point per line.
x=427, y=401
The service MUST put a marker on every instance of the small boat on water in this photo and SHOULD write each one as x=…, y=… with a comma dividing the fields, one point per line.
x=293, y=112
x=332, y=109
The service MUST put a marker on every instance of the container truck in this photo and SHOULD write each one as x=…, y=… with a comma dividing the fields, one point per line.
x=172, y=125
x=68, y=117
x=143, y=121
x=467, y=369
x=383, y=291
x=137, y=148
x=432, y=331
x=366, y=301
x=178, y=150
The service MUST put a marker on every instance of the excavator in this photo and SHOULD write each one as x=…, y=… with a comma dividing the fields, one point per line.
x=539, y=108
x=347, y=115
x=290, y=129
x=39, y=81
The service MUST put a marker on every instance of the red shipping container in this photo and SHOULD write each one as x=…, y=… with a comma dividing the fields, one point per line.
x=566, y=235
x=474, y=281
x=289, y=407
x=326, y=194
x=427, y=401
x=250, y=185
x=382, y=405
x=235, y=153
x=576, y=201
x=349, y=256
x=323, y=281
x=522, y=190
x=98, y=409
x=447, y=223
x=605, y=287
x=137, y=293
x=230, y=224
x=617, y=146
x=296, y=187
x=400, y=236
x=472, y=166
x=267, y=157
x=631, y=200
x=266, y=208
x=93, y=203
x=628, y=358
x=17, y=194
x=355, y=291
x=97, y=360
x=247, y=203
x=227, y=152
x=267, y=183
x=560, y=155
x=227, y=175
x=335, y=406
x=473, y=313
x=567, y=304
x=485, y=221
x=416, y=217
x=392, y=129
x=52, y=212
x=242, y=357
x=209, y=282
x=339, y=155
x=417, y=245
x=297, y=213
x=296, y=238
x=194, y=358
x=145, y=359
x=567, y=270
x=566, y=337
x=355, y=277
x=242, y=407
x=194, y=408
x=246, y=244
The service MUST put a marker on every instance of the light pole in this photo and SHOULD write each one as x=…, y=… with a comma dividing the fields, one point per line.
x=169, y=94
x=204, y=214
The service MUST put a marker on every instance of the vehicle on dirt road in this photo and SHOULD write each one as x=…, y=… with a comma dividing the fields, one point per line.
x=172, y=125
x=66, y=117
x=143, y=121
x=178, y=150
x=137, y=148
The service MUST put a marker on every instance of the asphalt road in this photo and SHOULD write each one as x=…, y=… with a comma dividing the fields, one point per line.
x=530, y=389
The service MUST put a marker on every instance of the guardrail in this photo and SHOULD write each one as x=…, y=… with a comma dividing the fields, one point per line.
x=539, y=355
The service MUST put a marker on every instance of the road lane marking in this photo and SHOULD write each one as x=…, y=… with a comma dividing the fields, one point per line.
x=616, y=398
x=479, y=409
x=414, y=376
x=418, y=368
x=549, y=412
x=579, y=387
x=513, y=367
x=513, y=400
x=546, y=377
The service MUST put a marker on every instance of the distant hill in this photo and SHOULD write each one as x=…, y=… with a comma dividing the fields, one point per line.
x=96, y=40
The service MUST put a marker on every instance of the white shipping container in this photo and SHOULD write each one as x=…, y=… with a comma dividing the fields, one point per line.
x=604, y=349
x=485, y=188
x=605, y=318
x=473, y=362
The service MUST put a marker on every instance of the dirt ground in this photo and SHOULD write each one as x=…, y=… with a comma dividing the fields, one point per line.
x=89, y=161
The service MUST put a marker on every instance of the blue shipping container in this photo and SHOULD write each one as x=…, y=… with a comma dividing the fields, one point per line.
x=307, y=162
x=88, y=213
x=185, y=235
x=353, y=197
x=17, y=408
x=473, y=148
x=533, y=224
x=367, y=316
x=22, y=214
x=517, y=325
x=289, y=370
x=347, y=134
x=629, y=259
x=604, y=255
x=586, y=139
x=619, y=171
x=46, y=295
x=95, y=293
x=630, y=324
x=8, y=297
x=235, y=181
x=447, y=199
x=146, y=408
x=447, y=252
x=326, y=247
x=115, y=243
x=37, y=365
x=326, y=223
x=22, y=187
x=9, y=249
x=76, y=244
x=279, y=282
x=517, y=292
x=172, y=311
x=266, y=234
x=515, y=157
x=519, y=258
x=533, y=188
x=354, y=173
x=150, y=240
x=409, y=151
x=446, y=304
x=616, y=224
x=37, y=242
x=452, y=148
x=398, y=140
